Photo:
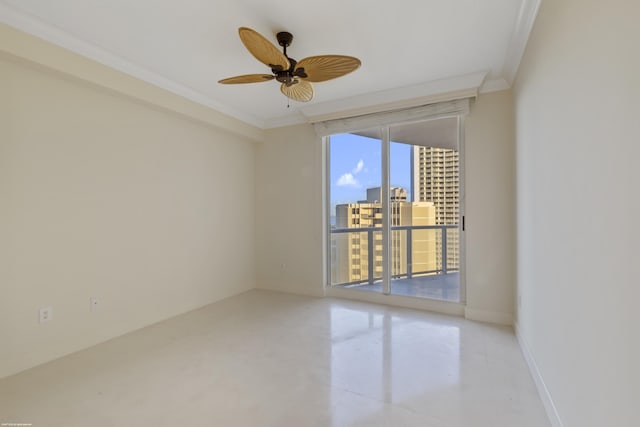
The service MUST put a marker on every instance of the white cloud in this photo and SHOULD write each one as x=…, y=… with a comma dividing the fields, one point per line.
x=358, y=167
x=347, y=180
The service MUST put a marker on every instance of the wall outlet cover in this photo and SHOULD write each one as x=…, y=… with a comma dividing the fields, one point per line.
x=45, y=314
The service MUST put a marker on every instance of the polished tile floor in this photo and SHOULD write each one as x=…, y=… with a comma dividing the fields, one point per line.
x=270, y=359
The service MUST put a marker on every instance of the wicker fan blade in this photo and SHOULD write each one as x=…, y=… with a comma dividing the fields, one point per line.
x=263, y=50
x=325, y=67
x=301, y=91
x=248, y=78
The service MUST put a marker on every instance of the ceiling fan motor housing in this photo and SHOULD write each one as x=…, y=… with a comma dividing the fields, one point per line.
x=284, y=38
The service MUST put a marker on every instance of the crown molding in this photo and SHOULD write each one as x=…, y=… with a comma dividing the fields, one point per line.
x=494, y=85
x=405, y=97
x=34, y=26
x=520, y=37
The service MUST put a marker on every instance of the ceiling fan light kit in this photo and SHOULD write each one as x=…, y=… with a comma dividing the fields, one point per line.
x=295, y=76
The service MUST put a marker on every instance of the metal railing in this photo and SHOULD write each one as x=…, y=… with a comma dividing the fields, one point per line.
x=444, y=267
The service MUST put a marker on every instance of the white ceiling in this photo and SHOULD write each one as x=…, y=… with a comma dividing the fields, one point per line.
x=187, y=46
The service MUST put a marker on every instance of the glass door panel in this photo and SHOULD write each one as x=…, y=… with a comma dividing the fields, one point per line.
x=355, y=210
x=424, y=199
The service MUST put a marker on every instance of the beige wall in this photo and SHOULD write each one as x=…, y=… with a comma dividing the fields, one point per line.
x=490, y=208
x=290, y=205
x=576, y=100
x=103, y=196
x=21, y=45
x=289, y=242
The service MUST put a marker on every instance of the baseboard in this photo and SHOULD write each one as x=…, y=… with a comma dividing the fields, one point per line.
x=317, y=292
x=545, y=396
x=487, y=316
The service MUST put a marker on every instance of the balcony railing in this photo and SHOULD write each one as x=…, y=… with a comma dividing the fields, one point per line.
x=440, y=247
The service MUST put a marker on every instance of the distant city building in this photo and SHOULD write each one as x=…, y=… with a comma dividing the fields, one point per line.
x=350, y=251
x=396, y=194
x=436, y=178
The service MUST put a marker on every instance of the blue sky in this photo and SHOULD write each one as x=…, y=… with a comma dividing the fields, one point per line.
x=355, y=166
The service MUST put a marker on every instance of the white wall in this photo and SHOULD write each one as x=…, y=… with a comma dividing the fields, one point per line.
x=104, y=196
x=289, y=210
x=577, y=111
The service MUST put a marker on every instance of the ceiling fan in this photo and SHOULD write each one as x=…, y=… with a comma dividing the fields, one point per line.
x=296, y=77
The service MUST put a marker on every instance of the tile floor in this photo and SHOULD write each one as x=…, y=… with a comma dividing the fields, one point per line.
x=270, y=359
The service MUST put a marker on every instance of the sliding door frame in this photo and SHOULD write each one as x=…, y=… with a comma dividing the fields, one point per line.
x=385, y=188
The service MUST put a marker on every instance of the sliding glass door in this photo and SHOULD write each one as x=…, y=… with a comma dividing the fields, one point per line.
x=425, y=219
x=395, y=209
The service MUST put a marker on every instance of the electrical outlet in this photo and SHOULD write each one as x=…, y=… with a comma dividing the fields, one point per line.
x=93, y=304
x=46, y=314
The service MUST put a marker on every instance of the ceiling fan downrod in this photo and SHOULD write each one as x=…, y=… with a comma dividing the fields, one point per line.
x=286, y=76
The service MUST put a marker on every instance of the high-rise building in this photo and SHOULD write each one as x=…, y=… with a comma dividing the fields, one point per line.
x=436, y=179
x=356, y=255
